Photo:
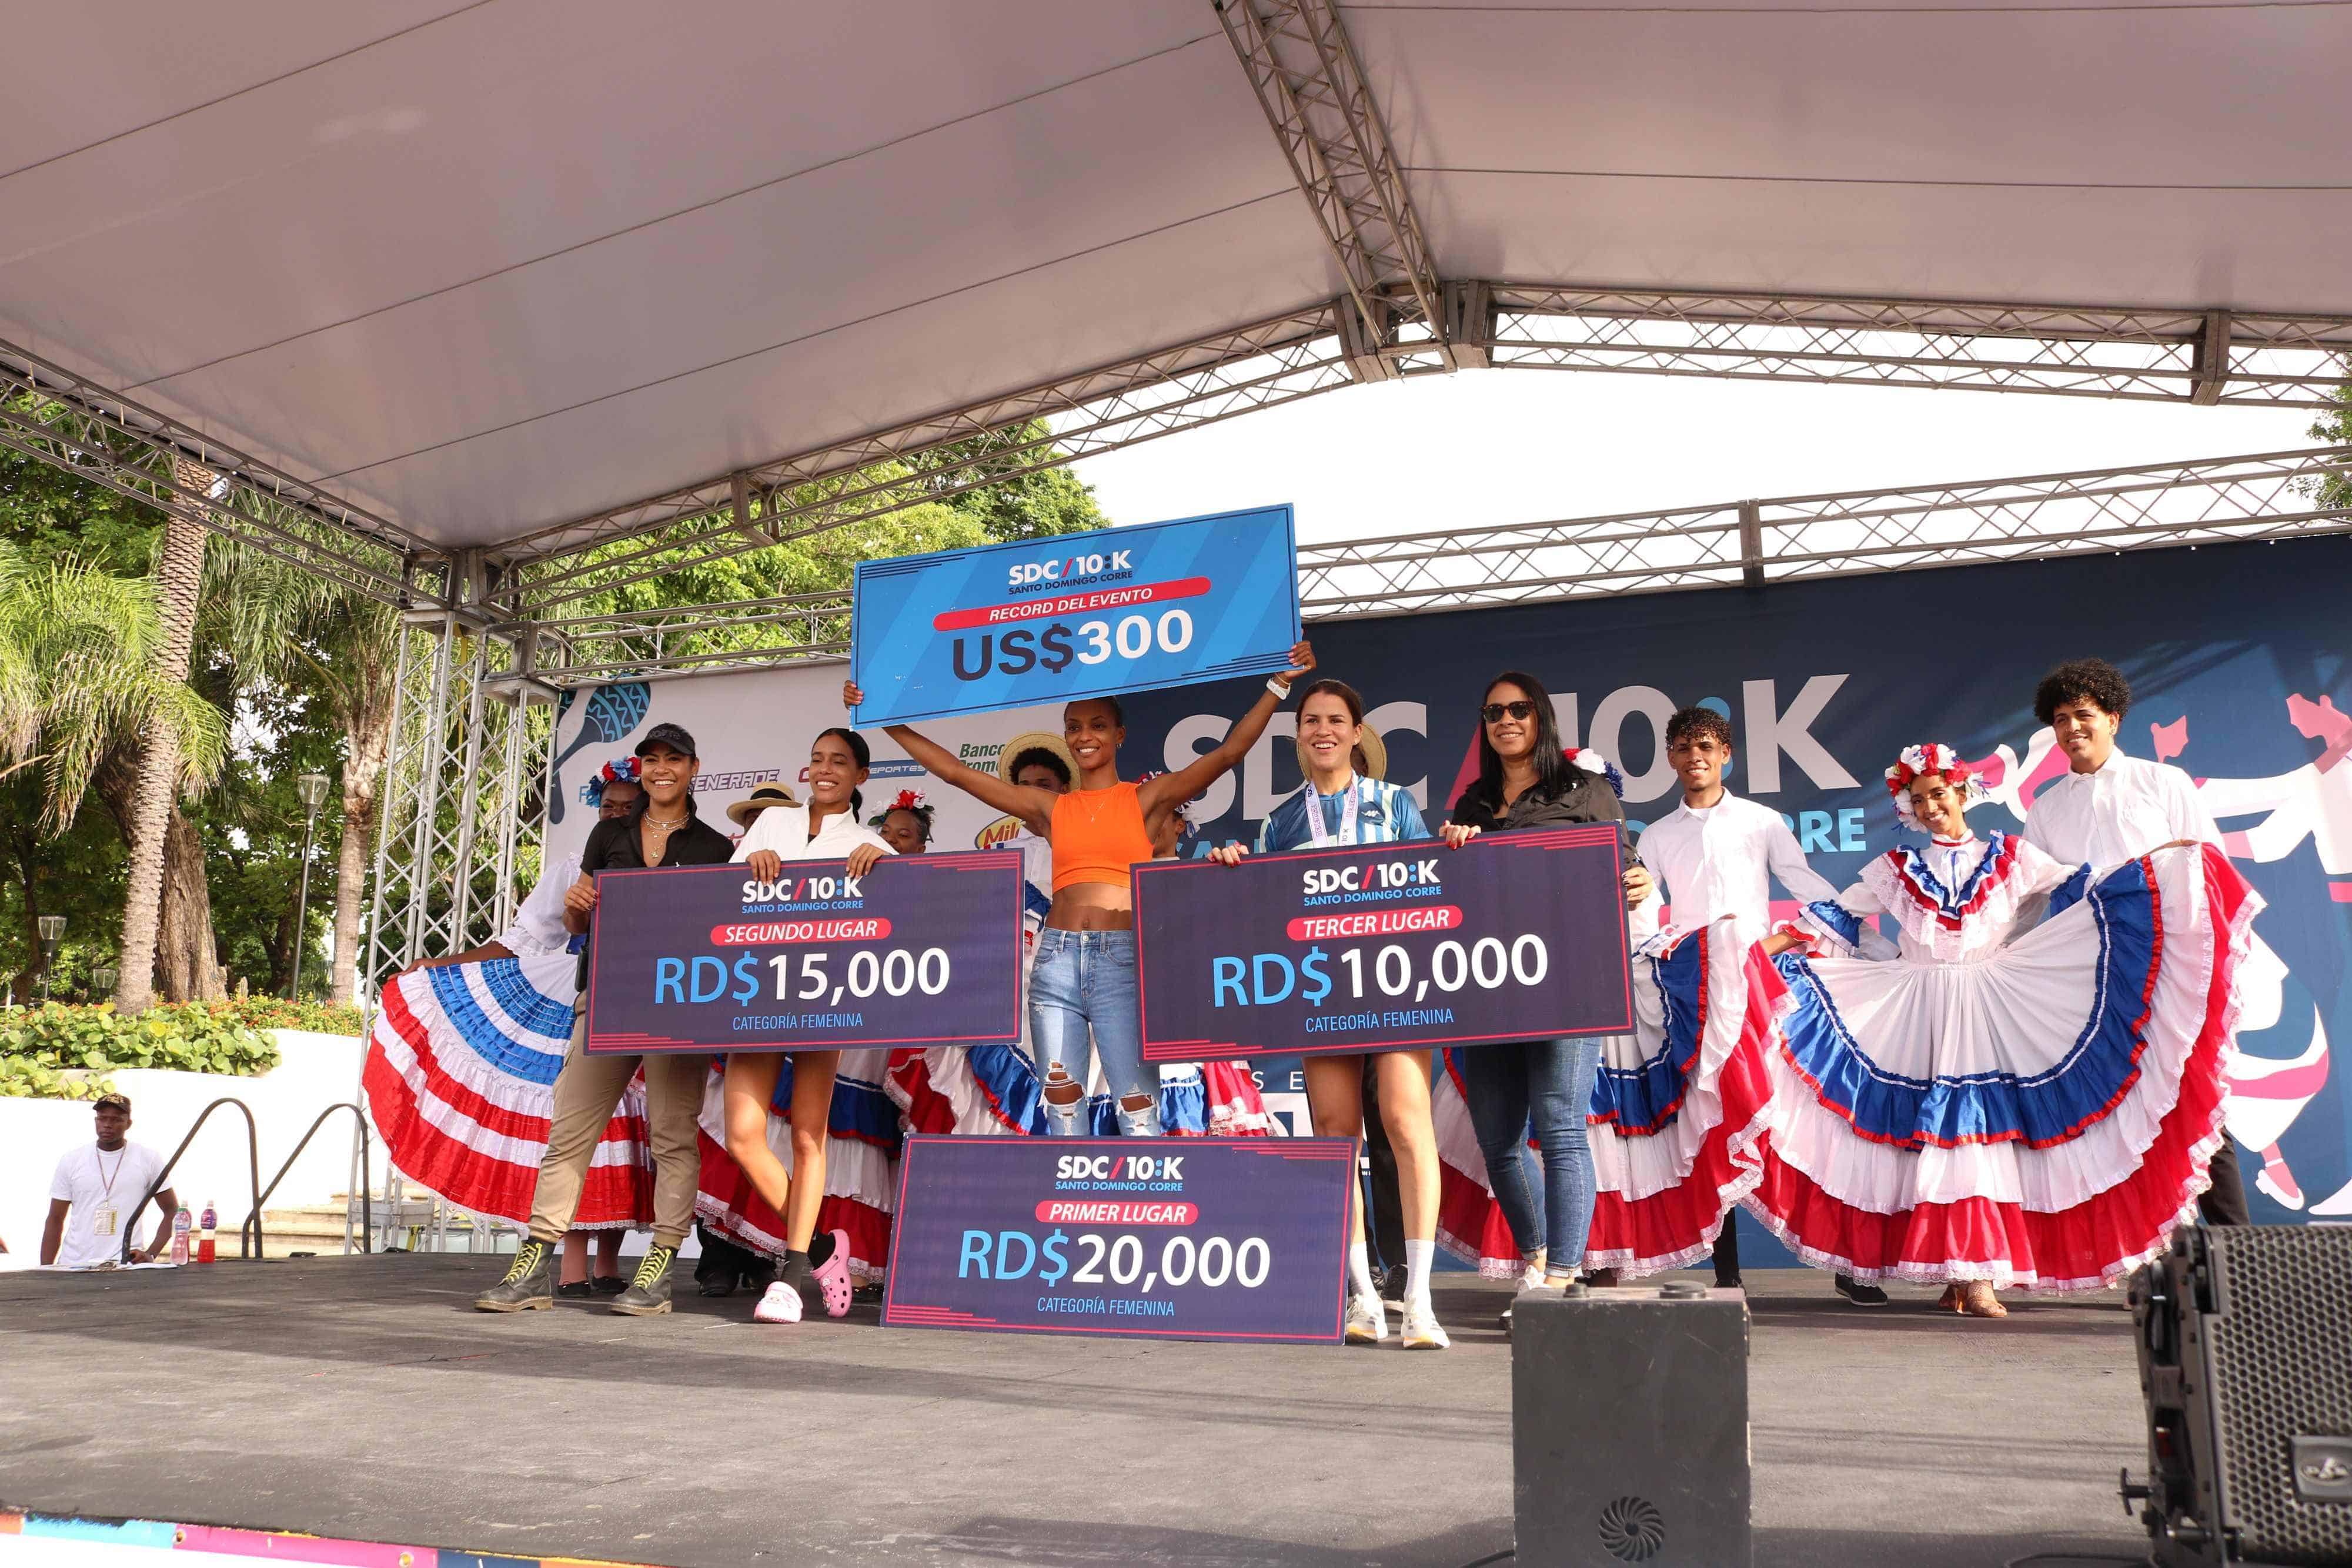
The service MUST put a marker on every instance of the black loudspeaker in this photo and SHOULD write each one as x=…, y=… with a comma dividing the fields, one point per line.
x=1629, y=1428
x=2245, y=1363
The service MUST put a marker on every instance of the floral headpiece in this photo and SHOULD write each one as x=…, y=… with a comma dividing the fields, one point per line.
x=1591, y=761
x=1941, y=760
x=910, y=801
x=620, y=770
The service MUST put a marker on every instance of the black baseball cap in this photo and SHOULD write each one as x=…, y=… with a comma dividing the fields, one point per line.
x=111, y=1098
x=673, y=735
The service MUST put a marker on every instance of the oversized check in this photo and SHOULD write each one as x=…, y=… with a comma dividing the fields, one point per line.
x=1076, y=615
x=1517, y=935
x=921, y=950
x=1227, y=1238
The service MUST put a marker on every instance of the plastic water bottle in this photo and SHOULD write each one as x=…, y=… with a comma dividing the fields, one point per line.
x=180, y=1223
x=205, y=1233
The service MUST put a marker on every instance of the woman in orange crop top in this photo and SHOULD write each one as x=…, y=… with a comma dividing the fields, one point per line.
x=1083, y=979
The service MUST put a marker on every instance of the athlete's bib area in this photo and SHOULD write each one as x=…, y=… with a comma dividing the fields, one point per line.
x=364, y=1398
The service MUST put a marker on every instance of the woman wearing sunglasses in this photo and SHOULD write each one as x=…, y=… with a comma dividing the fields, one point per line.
x=1525, y=780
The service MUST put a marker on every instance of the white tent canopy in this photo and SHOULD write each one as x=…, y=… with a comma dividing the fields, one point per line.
x=485, y=271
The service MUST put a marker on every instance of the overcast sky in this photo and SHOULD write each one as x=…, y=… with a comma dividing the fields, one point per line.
x=1483, y=447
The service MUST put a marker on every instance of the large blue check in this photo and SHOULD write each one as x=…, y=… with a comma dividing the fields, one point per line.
x=1076, y=615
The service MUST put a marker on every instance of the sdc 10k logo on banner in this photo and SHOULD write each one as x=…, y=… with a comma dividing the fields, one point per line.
x=1241, y=1239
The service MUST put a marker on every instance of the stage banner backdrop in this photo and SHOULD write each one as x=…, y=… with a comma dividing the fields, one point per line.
x=1227, y=1238
x=1076, y=615
x=1519, y=936
x=2240, y=658
x=921, y=950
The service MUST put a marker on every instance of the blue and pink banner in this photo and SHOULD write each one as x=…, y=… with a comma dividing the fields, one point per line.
x=1226, y=1238
x=1076, y=615
x=2240, y=658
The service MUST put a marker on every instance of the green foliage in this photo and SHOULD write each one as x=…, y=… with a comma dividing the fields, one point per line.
x=21, y=1078
x=187, y=1037
x=1015, y=504
x=2335, y=428
x=297, y=663
x=315, y=1018
x=76, y=645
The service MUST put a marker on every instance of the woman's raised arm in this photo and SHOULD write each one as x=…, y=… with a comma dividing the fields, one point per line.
x=1035, y=807
x=1226, y=755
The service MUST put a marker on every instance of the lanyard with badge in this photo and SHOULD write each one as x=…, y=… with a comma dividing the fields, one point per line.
x=103, y=1217
x=1322, y=838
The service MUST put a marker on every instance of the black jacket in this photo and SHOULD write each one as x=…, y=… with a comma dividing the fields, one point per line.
x=1586, y=798
x=613, y=845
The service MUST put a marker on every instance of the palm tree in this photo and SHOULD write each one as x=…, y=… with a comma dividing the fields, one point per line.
x=279, y=622
x=81, y=677
x=179, y=582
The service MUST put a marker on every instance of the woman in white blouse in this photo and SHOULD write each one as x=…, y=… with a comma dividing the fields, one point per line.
x=815, y=1271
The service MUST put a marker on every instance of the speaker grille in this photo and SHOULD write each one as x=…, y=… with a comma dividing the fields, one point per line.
x=2282, y=1366
x=1632, y=1529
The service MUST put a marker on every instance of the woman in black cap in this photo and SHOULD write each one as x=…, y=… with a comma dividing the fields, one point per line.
x=662, y=830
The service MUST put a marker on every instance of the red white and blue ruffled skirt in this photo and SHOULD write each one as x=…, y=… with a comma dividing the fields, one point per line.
x=1680, y=1111
x=460, y=1082
x=2040, y=1118
x=985, y=1090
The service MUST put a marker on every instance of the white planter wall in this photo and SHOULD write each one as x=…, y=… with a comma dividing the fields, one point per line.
x=314, y=1071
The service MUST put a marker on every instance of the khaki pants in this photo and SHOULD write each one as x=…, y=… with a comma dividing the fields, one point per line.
x=586, y=1092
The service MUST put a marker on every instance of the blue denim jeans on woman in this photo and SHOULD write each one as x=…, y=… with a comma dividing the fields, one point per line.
x=1549, y=1082
x=1082, y=988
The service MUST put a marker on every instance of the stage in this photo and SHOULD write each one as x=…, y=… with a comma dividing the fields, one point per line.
x=362, y=1398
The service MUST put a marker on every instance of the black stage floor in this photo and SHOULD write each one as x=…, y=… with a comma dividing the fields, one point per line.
x=360, y=1398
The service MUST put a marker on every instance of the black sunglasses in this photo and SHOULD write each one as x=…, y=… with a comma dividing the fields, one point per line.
x=1493, y=712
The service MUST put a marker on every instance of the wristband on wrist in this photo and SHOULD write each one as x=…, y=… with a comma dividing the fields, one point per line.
x=1279, y=687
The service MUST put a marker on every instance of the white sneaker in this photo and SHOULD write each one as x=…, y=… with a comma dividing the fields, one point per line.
x=1421, y=1329
x=1531, y=1277
x=1368, y=1321
x=780, y=1304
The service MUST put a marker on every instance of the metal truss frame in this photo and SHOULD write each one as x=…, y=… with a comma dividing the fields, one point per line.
x=2266, y=495
x=1752, y=543
x=460, y=814
x=1204, y=381
x=71, y=423
x=2203, y=357
x=1303, y=67
x=2199, y=356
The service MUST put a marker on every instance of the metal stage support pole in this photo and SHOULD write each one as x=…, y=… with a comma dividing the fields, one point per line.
x=1303, y=67
x=451, y=846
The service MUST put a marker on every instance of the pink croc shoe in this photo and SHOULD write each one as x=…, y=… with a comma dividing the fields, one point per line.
x=832, y=1277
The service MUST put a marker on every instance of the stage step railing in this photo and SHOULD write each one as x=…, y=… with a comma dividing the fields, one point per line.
x=367, y=1209
x=164, y=1177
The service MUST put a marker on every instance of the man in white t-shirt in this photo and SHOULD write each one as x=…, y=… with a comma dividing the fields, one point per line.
x=1716, y=854
x=94, y=1196
x=2109, y=809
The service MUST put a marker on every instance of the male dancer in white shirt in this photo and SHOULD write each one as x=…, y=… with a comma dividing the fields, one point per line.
x=2110, y=807
x=1716, y=854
